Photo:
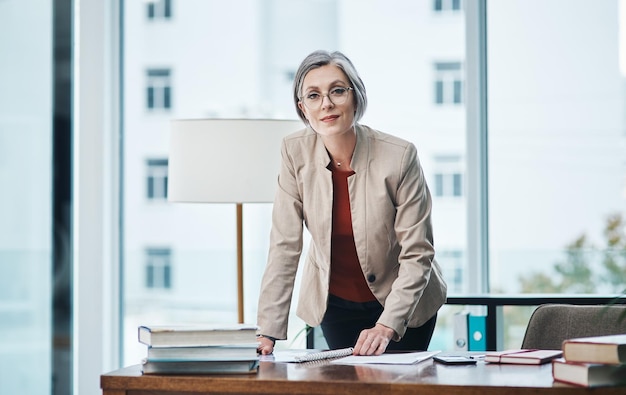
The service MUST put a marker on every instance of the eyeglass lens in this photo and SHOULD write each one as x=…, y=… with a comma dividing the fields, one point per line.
x=337, y=95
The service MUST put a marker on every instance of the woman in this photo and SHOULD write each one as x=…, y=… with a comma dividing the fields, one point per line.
x=370, y=278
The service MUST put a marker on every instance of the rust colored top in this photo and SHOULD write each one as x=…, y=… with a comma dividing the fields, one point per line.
x=346, y=277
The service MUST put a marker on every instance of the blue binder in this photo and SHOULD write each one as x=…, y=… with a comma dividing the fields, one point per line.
x=477, y=340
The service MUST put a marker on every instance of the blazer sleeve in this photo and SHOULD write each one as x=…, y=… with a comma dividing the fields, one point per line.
x=284, y=252
x=414, y=234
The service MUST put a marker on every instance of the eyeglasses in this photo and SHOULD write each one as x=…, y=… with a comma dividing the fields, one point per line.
x=338, y=95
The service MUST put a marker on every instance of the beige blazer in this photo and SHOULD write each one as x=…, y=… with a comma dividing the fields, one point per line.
x=391, y=207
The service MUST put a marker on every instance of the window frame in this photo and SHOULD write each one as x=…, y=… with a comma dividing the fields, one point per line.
x=96, y=214
x=477, y=174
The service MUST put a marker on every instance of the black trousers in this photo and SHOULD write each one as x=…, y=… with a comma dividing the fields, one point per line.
x=344, y=320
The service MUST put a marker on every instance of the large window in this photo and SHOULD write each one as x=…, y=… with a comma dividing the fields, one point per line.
x=556, y=148
x=553, y=144
x=557, y=212
x=552, y=198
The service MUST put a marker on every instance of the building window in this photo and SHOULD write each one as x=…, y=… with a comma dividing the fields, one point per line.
x=156, y=179
x=447, y=5
x=448, y=176
x=158, y=268
x=158, y=89
x=448, y=83
x=159, y=9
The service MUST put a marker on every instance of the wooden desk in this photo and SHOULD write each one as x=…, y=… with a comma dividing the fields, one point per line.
x=427, y=378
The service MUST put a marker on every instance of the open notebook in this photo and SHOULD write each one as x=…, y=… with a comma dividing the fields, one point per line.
x=344, y=356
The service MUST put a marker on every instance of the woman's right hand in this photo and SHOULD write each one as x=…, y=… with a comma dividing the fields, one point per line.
x=266, y=346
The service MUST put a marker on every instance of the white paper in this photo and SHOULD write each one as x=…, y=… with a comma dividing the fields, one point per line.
x=388, y=359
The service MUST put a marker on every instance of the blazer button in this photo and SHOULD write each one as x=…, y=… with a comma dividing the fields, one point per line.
x=371, y=278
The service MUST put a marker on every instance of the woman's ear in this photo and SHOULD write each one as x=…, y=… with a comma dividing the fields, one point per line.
x=303, y=111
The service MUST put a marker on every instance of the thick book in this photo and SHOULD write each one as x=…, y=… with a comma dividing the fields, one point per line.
x=596, y=349
x=524, y=356
x=200, y=367
x=203, y=353
x=588, y=374
x=196, y=335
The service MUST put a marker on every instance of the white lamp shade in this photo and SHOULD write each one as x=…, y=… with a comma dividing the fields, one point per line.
x=225, y=160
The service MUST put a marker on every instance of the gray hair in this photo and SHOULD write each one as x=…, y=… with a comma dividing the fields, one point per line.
x=322, y=58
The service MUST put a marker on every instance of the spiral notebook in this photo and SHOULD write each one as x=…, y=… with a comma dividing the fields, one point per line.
x=392, y=358
x=316, y=356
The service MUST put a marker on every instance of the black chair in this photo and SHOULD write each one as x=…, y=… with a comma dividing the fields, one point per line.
x=550, y=324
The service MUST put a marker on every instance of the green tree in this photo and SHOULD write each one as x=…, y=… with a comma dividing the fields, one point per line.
x=585, y=269
x=614, y=260
x=576, y=273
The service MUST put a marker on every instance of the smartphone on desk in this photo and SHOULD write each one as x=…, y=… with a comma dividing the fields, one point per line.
x=454, y=359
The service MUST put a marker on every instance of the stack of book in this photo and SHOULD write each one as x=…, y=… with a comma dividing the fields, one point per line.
x=592, y=361
x=199, y=349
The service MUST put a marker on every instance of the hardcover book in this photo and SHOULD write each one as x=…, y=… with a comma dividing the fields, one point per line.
x=203, y=353
x=524, y=357
x=597, y=349
x=588, y=374
x=197, y=335
x=199, y=367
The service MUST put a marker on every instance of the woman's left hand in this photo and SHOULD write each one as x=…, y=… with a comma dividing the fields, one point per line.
x=373, y=341
x=265, y=345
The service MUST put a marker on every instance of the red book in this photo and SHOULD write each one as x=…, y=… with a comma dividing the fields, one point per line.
x=524, y=357
x=588, y=374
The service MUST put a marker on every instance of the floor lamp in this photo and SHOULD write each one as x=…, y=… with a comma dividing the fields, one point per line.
x=226, y=161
